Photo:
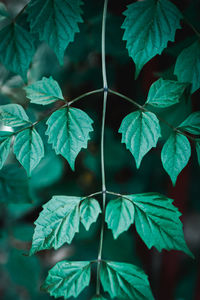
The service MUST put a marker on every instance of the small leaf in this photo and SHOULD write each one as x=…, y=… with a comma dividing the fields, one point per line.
x=56, y=22
x=89, y=210
x=13, y=115
x=198, y=151
x=5, y=143
x=119, y=215
x=164, y=93
x=140, y=132
x=175, y=155
x=44, y=91
x=125, y=281
x=68, y=131
x=187, y=68
x=67, y=279
x=29, y=149
x=149, y=25
x=16, y=49
x=192, y=123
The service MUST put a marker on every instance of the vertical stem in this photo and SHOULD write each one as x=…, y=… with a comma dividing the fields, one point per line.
x=105, y=86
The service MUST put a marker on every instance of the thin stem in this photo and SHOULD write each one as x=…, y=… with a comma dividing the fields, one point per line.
x=105, y=85
x=92, y=195
x=84, y=95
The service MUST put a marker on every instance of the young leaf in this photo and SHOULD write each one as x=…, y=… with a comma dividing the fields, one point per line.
x=29, y=149
x=175, y=155
x=89, y=210
x=140, y=132
x=16, y=49
x=119, y=215
x=192, y=123
x=149, y=25
x=44, y=91
x=5, y=142
x=13, y=115
x=164, y=93
x=125, y=281
x=67, y=279
x=68, y=131
x=56, y=22
x=187, y=68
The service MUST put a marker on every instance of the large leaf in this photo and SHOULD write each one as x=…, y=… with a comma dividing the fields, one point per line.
x=140, y=132
x=29, y=149
x=164, y=93
x=187, y=66
x=125, y=281
x=13, y=115
x=56, y=22
x=67, y=279
x=192, y=123
x=44, y=91
x=5, y=142
x=119, y=215
x=175, y=155
x=90, y=210
x=16, y=49
x=149, y=25
x=68, y=131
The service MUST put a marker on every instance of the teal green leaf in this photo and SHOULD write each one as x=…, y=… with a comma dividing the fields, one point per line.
x=44, y=91
x=198, y=151
x=125, y=281
x=149, y=25
x=13, y=115
x=5, y=143
x=56, y=22
x=29, y=149
x=57, y=223
x=164, y=93
x=68, y=131
x=98, y=298
x=119, y=215
x=157, y=222
x=68, y=279
x=140, y=132
x=3, y=12
x=175, y=155
x=192, y=123
x=16, y=49
x=89, y=210
x=187, y=68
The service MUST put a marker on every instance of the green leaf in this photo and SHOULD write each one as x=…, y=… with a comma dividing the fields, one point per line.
x=175, y=155
x=16, y=49
x=29, y=149
x=98, y=298
x=5, y=143
x=44, y=91
x=149, y=25
x=119, y=215
x=140, y=132
x=89, y=210
x=198, y=151
x=192, y=123
x=56, y=22
x=67, y=279
x=13, y=115
x=187, y=68
x=164, y=93
x=125, y=281
x=68, y=131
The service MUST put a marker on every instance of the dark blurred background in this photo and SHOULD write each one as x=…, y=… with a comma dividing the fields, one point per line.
x=172, y=274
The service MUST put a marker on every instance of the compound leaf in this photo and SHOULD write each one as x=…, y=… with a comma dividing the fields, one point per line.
x=192, y=123
x=187, y=68
x=56, y=22
x=5, y=143
x=44, y=91
x=16, y=49
x=198, y=151
x=175, y=155
x=67, y=279
x=125, y=281
x=29, y=149
x=89, y=210
x=149, y=25
x=164, y=93
x=13, y=115
x=68, y=131
x=140, y=132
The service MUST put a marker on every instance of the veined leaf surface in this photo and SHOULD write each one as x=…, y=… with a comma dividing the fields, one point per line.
x=5, y=143
x=13, y=115
x=192, y=123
